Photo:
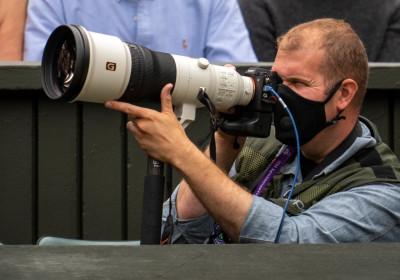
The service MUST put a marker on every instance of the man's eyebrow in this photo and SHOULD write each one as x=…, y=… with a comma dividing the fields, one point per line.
x=295, y=78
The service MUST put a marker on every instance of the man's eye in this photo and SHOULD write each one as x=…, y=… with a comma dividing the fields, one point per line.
x=298, y=83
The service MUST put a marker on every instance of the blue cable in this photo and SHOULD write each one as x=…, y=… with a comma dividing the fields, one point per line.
x=278, y=235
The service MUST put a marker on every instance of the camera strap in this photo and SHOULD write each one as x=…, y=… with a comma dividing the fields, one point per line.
x=205, y=100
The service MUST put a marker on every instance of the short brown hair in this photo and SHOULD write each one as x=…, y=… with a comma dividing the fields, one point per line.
x=345, y=55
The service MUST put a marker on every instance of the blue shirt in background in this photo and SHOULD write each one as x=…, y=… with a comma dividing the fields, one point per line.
x=198, y=28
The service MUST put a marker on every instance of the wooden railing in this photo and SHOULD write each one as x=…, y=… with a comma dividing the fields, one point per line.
x=72, y=170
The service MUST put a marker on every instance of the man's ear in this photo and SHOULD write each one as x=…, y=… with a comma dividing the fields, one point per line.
x=348, y=91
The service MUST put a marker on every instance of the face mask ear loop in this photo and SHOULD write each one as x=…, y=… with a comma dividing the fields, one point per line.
x=333, y=91
x=336, y=119
x=278, y=235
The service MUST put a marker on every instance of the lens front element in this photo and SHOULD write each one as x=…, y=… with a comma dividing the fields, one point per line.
x=66, y=64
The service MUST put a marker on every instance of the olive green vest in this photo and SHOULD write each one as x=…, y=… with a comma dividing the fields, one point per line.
x=371, y=165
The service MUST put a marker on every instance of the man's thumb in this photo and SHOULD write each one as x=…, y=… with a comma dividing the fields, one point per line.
x=166, y=99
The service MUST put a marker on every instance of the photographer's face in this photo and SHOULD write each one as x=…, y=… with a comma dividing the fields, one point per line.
x=305, y=94
x=300, y=71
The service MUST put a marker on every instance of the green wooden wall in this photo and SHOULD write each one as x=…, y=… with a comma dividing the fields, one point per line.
x=72, y=170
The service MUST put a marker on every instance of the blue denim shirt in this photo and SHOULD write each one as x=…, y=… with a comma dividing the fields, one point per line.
x=363, y=214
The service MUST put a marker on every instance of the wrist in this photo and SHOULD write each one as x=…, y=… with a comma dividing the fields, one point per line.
x=223, y=139
x=187, y=155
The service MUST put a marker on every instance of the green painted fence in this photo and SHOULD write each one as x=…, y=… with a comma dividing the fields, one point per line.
x=72, y=170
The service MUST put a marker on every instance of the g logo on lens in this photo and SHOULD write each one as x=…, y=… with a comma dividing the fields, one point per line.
x=111, y=66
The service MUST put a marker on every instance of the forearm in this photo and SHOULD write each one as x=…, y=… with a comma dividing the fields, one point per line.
x=207, y=188
x=226, y=153
x=188, y=204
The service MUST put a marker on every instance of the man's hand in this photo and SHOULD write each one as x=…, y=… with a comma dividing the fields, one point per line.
x=159, y=133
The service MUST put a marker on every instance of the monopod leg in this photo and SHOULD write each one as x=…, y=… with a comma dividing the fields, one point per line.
x=153, y=196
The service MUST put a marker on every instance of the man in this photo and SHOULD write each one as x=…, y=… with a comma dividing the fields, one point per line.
x=200, y=28
x=349, y=185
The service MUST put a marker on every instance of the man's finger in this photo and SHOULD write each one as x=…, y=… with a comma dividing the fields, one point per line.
x=230, y=66
x=127, y=108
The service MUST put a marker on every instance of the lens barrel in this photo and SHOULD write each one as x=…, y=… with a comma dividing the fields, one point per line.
x=150, y=72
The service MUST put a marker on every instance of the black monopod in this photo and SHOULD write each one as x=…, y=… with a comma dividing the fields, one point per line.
x=153, y=196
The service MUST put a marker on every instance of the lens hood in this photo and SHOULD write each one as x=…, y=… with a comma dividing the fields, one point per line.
x=75, y=36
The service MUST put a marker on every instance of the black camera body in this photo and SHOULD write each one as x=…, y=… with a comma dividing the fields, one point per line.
x=254, y=119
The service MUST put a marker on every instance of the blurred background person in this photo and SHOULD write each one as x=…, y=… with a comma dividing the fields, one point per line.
x=377, y=23
x=12, y=24
x=199, y=28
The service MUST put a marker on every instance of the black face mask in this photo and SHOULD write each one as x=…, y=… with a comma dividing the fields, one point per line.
x=308, y=115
